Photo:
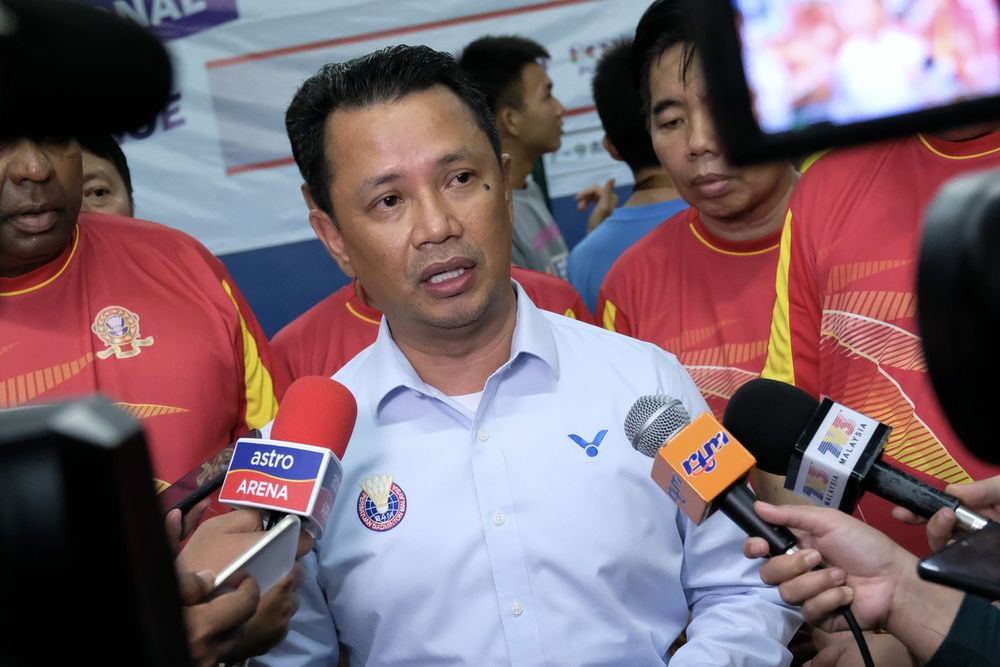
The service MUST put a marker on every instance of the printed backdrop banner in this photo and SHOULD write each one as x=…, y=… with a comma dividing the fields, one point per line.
x=216, y=161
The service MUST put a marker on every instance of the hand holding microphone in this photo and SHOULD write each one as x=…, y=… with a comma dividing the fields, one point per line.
x=829, y=453
x=295, y=471
x=867, y=571
x=982, y=497
x=702, y=467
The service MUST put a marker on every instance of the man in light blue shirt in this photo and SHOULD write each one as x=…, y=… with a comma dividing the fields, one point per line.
x=654, y=197
x=492, y=511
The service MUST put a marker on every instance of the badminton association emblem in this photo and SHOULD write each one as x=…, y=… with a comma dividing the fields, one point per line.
x=381, y=503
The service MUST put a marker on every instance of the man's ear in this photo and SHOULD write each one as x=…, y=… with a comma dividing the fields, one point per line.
x=329, y=235
x=610, y=148
x=509, y=121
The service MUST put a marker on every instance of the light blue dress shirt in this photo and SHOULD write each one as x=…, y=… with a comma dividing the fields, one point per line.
x=526, y=533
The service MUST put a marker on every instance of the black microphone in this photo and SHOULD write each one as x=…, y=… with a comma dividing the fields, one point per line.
x=828, y=452
x=63, y=44
x=700, y=467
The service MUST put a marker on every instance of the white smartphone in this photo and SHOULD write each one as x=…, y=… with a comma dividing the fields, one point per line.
x=268, y=560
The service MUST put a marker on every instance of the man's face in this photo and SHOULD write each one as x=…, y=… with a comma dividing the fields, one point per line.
x=40, y=192
x=686, y=143
x=422, y=211
x=541, y=112
x=103, y=188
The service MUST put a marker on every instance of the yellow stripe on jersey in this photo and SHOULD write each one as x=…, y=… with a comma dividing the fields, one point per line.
x=69, y=258
x=779, y=348
x=811, y=160
x=928, y=146
x=358, y=315
x=262, y=404
x=570, y=314
x=610, y=311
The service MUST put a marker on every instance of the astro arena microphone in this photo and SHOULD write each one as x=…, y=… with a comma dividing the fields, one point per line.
x=701, y=467
x=297, y=470
x=828, y=452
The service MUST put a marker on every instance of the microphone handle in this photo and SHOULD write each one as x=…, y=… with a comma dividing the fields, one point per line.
x=736, y=502
x=213, y=484
x=906, y=490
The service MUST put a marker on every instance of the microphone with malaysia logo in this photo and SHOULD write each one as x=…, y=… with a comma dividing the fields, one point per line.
x=700, y=466
x=828, y=452
x=297, y=470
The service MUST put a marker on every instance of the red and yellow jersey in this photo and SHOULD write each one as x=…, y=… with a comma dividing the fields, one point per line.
x=706, y=300
x=145, y=315
x=845, y=323
x=332, y=332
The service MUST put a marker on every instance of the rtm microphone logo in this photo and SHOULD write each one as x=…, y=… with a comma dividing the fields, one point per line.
x=703, y=458
x=817, y=483
x=838, y=435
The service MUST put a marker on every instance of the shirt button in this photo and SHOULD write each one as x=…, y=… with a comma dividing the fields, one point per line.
x=499, y=518
x=517, y=609
x=483, y=435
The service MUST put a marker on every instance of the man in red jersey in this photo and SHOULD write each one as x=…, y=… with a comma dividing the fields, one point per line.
x=305, y=346
x=845, y=321
x=700, y=285
x=136, y=311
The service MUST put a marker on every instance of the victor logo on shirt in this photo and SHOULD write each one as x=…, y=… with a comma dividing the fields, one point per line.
x=381, y=504
x=589, y=447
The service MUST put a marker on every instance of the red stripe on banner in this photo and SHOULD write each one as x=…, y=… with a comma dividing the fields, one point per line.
x=254, y=166
x=284, y=161
x=392, y=32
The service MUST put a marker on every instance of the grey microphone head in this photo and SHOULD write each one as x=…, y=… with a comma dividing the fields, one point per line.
x=652, y=420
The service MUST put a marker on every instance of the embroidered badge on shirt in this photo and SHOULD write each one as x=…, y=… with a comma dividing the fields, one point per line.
x=589, y=447
x=118, y=328
x=381, y=504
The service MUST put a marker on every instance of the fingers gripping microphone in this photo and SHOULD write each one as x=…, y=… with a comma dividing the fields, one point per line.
x=701, y=467
x=828, y=452
x=704, y=448
x=297, y=470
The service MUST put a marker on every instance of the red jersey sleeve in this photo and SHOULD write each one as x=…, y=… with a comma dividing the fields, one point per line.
x=263, y=382
x=552, y=293
x=613, y=302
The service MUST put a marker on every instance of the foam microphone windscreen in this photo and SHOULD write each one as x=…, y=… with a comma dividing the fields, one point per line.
x=70, y=69
x=768, y=417
x=316, y=411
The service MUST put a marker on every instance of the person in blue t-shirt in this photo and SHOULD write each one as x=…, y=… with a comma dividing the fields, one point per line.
x=653, y=199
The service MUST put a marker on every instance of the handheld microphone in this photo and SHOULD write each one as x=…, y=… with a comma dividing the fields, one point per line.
x=701, y=467
x=297, y=470
x=828, y=452
x=683, y=467
x=199, y=482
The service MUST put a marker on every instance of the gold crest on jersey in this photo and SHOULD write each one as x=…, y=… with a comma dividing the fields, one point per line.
x=118, y=328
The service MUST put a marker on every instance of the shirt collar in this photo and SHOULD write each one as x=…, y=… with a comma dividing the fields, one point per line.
x=388, y=372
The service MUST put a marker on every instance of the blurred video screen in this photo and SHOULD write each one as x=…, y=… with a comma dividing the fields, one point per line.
x=810, y=62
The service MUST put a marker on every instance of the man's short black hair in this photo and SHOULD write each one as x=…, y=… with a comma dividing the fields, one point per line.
x=665, y=24
x=104, y=146
x=495, y=63
x=620, y=107
x=382, y=76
